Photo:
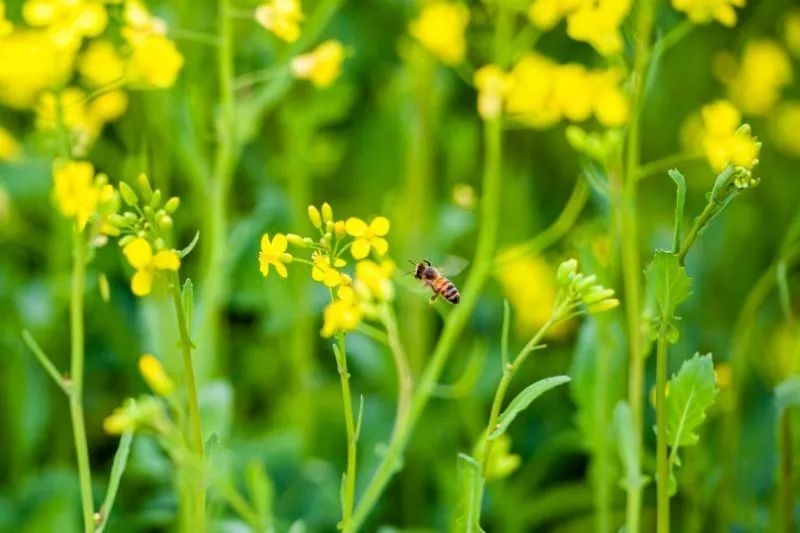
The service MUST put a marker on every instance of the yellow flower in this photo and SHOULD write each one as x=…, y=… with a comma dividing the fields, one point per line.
x=274, y=253
x=74, y=190
x=723, y=141
x=723, y=373
x=139, y=23
x=67, y=21
x=375, y=279
x=368, y=236
x=492, y=84
x=139, y=254
x=321, y=66
x=784, y=126
x=148, y=411
x=791, y=31
x=108, y=106
x=100, y=64
x=9, y=147
x=598, y=23
x=704, y=11
x=154, y=375
x=502, y=463
x=281, y=17
x=440, y=28
x=31, y=64
x=609, y=102
x=155, y=62
x=5, y=26
x=343, y=314
x=325, y=272
x=119, y=421
x=545, y=14
x=756, y=83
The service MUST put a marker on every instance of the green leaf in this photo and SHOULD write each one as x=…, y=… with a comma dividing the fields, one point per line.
x=191, y=245
x=469, y=499
x=187, y=298
x=117, y=469
x=669, y=285
x=691, y=391
x=628, y=449
x=261, y=491
x=680, y=201
x=787, y=392
x=523, y=400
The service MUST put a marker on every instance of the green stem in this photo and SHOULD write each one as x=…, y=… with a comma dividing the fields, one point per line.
x=662, y=465
x=194, y=406
x=701, y=222
x=454, y=325
x=786, y=479
x=405, y=382
x=631, y=264
x=662, y=165
x=76, y=376
x=347, y=400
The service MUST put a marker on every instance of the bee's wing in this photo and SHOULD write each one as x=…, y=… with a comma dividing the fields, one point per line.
x=453, y=265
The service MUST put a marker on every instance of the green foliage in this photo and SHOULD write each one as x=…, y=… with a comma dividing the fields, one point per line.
x=680, y=202
x=523, y=400
x=628, y=451
x=787, y=393
x=469, y=495
x=669, y=285
x=117, y=469
x=691, y=392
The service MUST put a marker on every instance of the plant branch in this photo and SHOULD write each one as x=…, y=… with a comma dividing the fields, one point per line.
x=46, y=363
x=348, y=494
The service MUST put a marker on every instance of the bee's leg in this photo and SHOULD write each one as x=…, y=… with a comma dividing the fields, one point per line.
x=433, y=298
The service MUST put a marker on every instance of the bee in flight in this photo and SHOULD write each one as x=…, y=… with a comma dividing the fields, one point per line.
x=436, y=281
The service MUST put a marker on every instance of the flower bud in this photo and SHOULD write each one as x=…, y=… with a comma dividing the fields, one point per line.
x=576, y=137
x=566, y=271
x=339, y=229
x=144, y=184
x=154, y=375
x=130, y=217
x=172, y=204
x=165, y=222
x=102, y=284
x=296, y=240
x=155, y=201
x=604, y=305
x=597, y=294
x=329, y=226
x=159, y=244
x=127, y=194
x=148, y=211
x=117, y=219
x=314, y=216
x=125, y=240
x=585, y=283
x=327, y=212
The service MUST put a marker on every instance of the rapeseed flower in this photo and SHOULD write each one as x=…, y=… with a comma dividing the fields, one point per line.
x=785, y=125
x=67, y=22
x=374, y=280
x=791, y=31
x=282, y=18
x=155, y=376
x=273, y=252
x=5, y=25
x=324, y=269
x=155, y=61
x=440, y=28
x=139, y=23
x=545, y=14
x=492, y=84
x=598, y=23
x=756, y=82
x=342, y=314
x=139, y=253
x=368, y=236
x=9, y=147
x=101, y=64
x=75, y=190
x=322, y=66
x=704, y=11
x=146, y=412
x=723, y=141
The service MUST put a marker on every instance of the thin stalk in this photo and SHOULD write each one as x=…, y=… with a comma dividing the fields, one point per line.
x=194, y=406
x=76, y=376
x=454, y=325
x=405, y=382
x=662, y=465
x=786, y=479
x=701, y=221
x=340, y=351
x=631, y=264
x=663, y=164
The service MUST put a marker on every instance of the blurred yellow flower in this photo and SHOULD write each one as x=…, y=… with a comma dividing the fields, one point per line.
x=119, y=421
x=67, y=21
x=31, y=64
x=322, y=65
x=440, y=28
x=723, y=374
x=756, y=82
x=502, y=463
x=108, y=106
x=139, y=254
x=323, y=271
x=545, y=14
x=785, y=125
x=704, y=11
x=139, y=23
x=5, y=24
x=375, y=280
x=9, y=147
x=155, y=61
x=343, y=314
x=368, y=236
x=598, y=23
x=281, y=17
x=101, y=64
x=74, y=190
x=723, y=141
x=274, y=253
x=492, y=84
x=791, y=31
x=155, y=376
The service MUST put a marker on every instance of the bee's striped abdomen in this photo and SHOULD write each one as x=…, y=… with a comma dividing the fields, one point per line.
x=446, y=288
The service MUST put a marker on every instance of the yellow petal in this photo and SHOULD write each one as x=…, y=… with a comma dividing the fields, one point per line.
x=355, y=227
x=279, y=243
x=360, y=248
x=281, y=269
x=317, y=274
x=266, y=246
x=142, y=282
x=138, y=252
x=154, y=375
x=339, y=263
x=379, y=226
x=167, y=260
x=331, y=278
x=380, y=245
x=263, y=264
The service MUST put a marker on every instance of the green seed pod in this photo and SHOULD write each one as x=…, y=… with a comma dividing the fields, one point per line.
x=172, y=204
x=127, y=193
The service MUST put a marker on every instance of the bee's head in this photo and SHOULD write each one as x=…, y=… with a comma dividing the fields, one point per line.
x=419, y=268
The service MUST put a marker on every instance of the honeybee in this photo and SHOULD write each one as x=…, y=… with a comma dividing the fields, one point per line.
x=436, y=281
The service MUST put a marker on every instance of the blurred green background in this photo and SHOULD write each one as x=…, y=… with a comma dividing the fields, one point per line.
x=396, y=135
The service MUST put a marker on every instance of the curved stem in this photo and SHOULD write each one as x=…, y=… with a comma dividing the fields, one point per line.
x=194, y=408
x=701, y=222
x=662, y=467
x=405, y=382
x=76, y=377
x=348, y=494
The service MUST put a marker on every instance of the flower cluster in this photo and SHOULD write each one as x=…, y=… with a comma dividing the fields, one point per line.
x=281, y=17
x=579, y=293
x=784, y=125
x=596, y=22
x=540, y=92
x=704, y=11
x=82, y=195
x=440, y=28
x=67, y=37
x=146, y=230
x=352, y=298
x=322, y=66
x=722, y=138
x=756, y=81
